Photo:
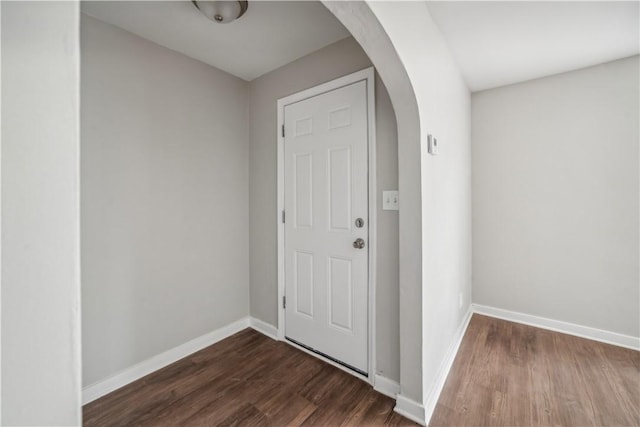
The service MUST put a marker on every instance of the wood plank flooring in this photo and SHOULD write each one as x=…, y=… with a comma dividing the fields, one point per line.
x=508, y=374
x=249, y=380
x=505, y=374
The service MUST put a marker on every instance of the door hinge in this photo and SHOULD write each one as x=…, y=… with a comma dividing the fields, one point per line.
x=283, y=217
x=284, y=301
x=283, y=131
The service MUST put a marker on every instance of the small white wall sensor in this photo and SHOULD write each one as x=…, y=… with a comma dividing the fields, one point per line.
x=432, y=145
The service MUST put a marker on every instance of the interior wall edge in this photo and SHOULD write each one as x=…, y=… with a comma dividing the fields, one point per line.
x=441, y=377
x=410, y=409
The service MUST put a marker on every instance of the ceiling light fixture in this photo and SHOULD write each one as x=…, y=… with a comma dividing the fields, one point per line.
x=222, y=11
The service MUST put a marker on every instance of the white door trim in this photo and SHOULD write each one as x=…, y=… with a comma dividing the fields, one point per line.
x=363, y=75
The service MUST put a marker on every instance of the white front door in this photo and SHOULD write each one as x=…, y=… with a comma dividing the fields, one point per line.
x=326, y=225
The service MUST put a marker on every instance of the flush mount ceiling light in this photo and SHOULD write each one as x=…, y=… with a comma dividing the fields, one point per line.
x=222, y=11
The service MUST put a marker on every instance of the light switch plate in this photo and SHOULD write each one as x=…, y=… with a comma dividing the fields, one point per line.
x=390, y=201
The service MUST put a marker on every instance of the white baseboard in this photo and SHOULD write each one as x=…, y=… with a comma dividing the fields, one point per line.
x=410, y=409
x=264, y=328
x=441, y=377
x=559, y=326
x=99, y=389
x=386, y=386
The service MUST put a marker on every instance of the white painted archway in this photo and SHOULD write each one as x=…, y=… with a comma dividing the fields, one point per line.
x=429, y=96
x=361, y=22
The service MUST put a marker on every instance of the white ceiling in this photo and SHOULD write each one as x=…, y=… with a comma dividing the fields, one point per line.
x=499, y=43
x=269, y=35
x=494, y=42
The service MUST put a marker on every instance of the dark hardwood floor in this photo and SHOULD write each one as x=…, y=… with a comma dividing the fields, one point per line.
x=505, y=374
x=508, y=374
x=247, y=379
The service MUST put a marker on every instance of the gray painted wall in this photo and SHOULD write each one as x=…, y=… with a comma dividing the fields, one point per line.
x=165, y=202
x=326, y=64
x=40, y=215
x=555, y=184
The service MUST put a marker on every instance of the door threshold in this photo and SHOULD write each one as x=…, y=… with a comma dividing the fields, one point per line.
x=326, y=356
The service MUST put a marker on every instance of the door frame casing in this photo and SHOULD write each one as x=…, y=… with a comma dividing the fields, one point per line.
x=367, y=75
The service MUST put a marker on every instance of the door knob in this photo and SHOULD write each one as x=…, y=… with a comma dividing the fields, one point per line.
x=358, y=243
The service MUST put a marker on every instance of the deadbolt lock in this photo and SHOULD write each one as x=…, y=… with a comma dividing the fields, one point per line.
x=359, y=222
